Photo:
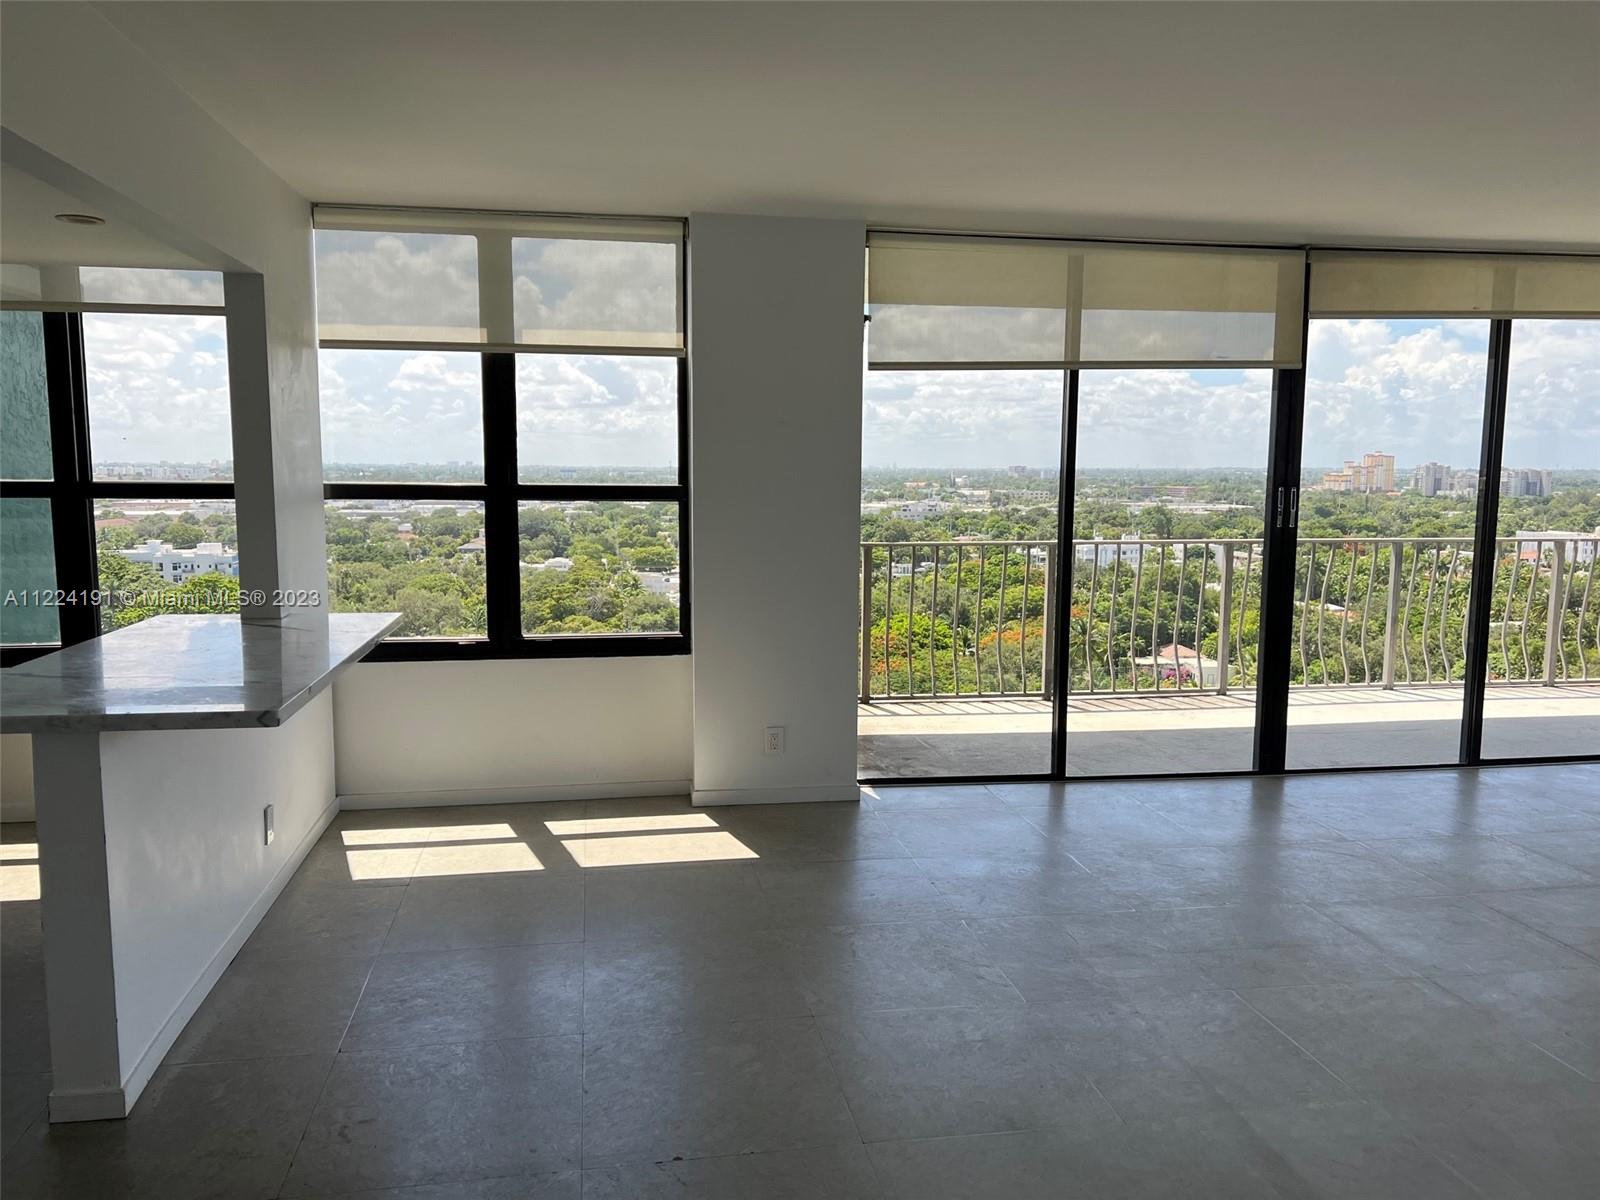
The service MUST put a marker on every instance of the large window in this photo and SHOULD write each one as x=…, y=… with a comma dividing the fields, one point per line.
x=1316, y=510
x=117, y=458
x=503, y=430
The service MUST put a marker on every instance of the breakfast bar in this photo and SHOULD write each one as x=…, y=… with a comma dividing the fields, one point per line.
x=183, y=768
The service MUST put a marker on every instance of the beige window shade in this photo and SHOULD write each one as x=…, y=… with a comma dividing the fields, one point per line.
x=432, y=277
x=110, y=289
x=966, y=301
x=944, y=302
x=396, y=285
x=1370, y=284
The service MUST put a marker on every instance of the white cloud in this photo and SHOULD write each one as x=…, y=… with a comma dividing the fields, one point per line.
x=158, y=387
x=595, y=287
x=1553, y=399
x=416, y=285
x=1411, y=388
x=590, y=410
x=398, y=406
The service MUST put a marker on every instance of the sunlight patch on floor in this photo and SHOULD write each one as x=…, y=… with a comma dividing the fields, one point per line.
x=427, y=835
x=631, y=824
x=367, y=865
x=19, y=876
x=495, y=858
x=495, y=848
x=658, y=848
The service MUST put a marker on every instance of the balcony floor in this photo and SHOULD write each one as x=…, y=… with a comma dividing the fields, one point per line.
x=1186, y=734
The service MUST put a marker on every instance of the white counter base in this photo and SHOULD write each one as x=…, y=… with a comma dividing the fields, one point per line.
x=153, y=874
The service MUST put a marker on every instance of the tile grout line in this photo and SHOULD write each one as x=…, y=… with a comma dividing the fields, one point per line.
x=1245, y=1000
x=1554, y=941
x=333, y=1061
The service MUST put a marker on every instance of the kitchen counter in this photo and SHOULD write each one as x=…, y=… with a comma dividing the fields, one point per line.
x=187, y=672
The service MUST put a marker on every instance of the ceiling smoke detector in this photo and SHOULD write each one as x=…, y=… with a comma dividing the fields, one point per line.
x=80, y=219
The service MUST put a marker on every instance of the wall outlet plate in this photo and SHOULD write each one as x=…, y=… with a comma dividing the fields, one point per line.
x=267, y=831
x=774, y=742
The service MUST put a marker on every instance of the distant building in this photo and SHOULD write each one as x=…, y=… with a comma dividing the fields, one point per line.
x=475, y=546
x=176, y=566
x=1430, y=478
x=1532, y=544
x=1526, y=481
x=1029, y=497
x=549, y=564
x=659, y=583
x=1105, y=551
x=1176, y=663
x=1374, y=473
x=916, y=510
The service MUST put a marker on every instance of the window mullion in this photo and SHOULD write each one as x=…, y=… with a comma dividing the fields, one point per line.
x=503, y=582
x=71, y=509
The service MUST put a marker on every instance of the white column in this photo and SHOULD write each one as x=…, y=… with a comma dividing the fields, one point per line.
x=75, y=909
x=775, y=336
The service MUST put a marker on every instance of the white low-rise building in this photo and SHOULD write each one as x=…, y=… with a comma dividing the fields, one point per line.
x=549, y=564
x=1105, y=551
x=176, y=566
x=660, y=583
x=1576, y=548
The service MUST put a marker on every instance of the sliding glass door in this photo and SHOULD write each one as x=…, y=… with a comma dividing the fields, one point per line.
x=1543, y=678
x=1136, y=510
x=960, y=483
x=1383, y=568
x=1165, y=565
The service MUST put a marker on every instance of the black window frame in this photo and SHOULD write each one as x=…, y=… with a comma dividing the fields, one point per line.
x=501, y=490
x=73, y=491
x=499, y=493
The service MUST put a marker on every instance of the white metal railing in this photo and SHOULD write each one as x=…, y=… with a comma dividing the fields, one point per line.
x=976, y=618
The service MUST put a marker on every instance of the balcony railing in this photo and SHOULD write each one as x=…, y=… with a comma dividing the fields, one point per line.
x=960, y=619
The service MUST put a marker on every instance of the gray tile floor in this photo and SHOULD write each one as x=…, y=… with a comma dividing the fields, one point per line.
x=1358, y=986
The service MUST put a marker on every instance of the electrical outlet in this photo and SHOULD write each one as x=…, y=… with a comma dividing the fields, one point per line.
x=774, y=739
x=267, y=831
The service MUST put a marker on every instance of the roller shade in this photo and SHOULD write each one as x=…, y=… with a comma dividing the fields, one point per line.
x=1007, y=302
x=110, y=289
x=1367, y=284
x=406, y=277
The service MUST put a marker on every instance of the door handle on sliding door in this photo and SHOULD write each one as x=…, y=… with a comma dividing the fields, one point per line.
x=1279, y=519
x=1294, y=508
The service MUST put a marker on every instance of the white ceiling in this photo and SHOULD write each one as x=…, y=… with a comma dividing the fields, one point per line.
x=30, y=233
x=1469, y=124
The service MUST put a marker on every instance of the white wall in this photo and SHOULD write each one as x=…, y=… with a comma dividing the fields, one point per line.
x=189, y=871
x=16, y=777
x=430, y=733
x=775, y=329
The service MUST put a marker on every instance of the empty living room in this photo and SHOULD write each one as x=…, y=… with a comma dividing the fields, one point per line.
x=799, y=600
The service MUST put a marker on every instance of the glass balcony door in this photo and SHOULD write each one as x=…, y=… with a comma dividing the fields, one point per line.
x=959, y=513
x=1383, y=573
x=1165, y=567
x=1542, y=695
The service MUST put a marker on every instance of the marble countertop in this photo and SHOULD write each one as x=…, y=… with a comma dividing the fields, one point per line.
x=187, y=672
